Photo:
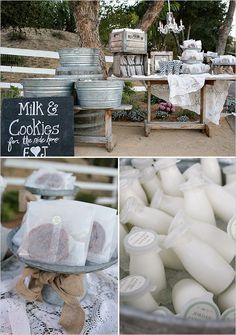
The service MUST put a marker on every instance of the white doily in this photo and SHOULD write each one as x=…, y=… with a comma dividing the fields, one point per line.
x=184, y=91
x=100, y=306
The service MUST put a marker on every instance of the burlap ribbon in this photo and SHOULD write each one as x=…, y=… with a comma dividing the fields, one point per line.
x=68, y=287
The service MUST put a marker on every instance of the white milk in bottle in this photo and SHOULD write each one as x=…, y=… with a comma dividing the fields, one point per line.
x=145, y=217
x=135, y=292
x=200, y=260
x=142, y=246
x=170, y=176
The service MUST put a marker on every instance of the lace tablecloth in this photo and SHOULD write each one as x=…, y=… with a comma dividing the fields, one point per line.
x=184, y=91
x=100, y=306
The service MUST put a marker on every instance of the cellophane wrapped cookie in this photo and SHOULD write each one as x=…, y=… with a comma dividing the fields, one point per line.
x=103, y=241
x=51, y=179
x=56, y=232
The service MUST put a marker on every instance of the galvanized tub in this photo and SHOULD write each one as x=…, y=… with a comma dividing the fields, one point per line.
x=89, y=123
x=80, y=62
x=99, y=93
x=47, y=87
x=133, y=321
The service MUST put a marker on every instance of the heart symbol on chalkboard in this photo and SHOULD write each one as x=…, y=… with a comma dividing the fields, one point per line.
x=35, y=150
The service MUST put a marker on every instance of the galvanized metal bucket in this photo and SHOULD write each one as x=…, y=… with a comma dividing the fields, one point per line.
x=133, y=321
x=80, y=62
x=99, y=93
x=47, y=87
x=89, y=123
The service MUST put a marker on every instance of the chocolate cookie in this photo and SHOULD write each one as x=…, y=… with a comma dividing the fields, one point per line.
x=97, y=238
x=48, y=243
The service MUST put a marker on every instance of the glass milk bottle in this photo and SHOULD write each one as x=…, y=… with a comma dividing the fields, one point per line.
x=142, y=246
x=141, y=163
x=213, y=236
x=193, y=170
x=134, y=175
x=124, y=257
x=169, y=258
x=231, y=188
x=227, y=299
x=223, y=203
x=191, y=300
x=211, y=169
x=145, y=217
x=167, y=203
x=200, y=260
x=150, y=181
x=127, y=190
x=135, y=292
x=230, y=173
x=170, y=176
x=196, y=203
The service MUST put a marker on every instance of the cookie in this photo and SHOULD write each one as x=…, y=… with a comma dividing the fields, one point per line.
x=97, y=238
x=48, y=243
x=50, y=181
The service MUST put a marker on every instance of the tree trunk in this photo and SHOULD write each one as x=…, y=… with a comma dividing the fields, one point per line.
x=225, y=28
x=151, y=14
x=86, y=15
x=176, y=37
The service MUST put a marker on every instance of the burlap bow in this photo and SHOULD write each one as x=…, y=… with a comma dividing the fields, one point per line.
x=68, y=287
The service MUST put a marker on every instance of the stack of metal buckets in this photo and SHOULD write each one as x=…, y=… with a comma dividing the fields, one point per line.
x=80, y=75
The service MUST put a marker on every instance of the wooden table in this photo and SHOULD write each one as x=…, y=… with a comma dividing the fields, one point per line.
x=107, y=139
x=149, y=81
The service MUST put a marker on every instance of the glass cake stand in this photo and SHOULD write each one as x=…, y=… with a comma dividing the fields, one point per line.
x=49, y=295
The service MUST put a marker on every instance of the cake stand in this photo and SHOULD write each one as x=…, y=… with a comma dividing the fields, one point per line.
x=48, y=294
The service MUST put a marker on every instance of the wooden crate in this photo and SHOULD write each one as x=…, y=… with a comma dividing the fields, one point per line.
x=156, y=56
x=133, y=42
x=128, y=65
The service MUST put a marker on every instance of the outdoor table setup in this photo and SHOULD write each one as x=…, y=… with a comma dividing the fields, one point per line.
x=186, y=82
x=59, y=252
x=158, y=85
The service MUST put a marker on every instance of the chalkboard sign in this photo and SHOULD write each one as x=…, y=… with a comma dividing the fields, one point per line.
x=37, y=127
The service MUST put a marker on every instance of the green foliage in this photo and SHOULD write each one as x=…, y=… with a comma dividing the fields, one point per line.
x=204, y=18
x=87, y=197
x=37, y=14
x=12, y=60
x=186, y=112
x=9, y=208
x=12, y=92
x=17, y=35
x=128, y=93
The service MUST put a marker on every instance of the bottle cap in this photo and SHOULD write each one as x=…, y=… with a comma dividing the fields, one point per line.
x=147, y=173
x=193, y=170
x=230, y=169
x=134, y=286
x=201, y=309
x=229, y=314
x=132, y=204
x=156, y=199
x=231, y=228
x=141, y=241
x=141, y=163
x=163, y=163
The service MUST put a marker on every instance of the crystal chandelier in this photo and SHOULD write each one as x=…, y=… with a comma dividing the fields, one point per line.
x=171, y=25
